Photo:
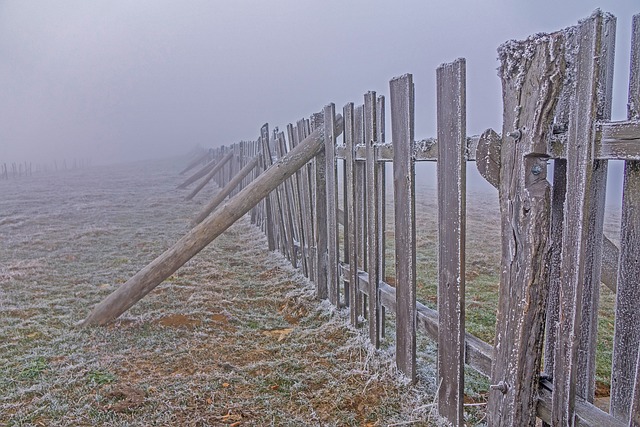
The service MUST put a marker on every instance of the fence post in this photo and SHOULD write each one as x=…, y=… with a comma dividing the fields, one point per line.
x=350, y=226
x=332, y=203
x=402, y=130
x=627, y=327
x=531, y=73
x=452, y=136
x=266, y=158
x=373, y=228
x=578, y=213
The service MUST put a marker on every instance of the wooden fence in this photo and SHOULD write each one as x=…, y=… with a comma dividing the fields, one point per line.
x=557, y=105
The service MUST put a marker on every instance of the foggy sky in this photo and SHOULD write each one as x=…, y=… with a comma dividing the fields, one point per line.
x=117, y=80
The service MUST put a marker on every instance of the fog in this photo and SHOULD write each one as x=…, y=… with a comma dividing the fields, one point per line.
x=121, y=80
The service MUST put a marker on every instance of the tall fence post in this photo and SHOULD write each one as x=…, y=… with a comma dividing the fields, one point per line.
x=373, y=228
x=578, y=212
x=402, y=130
x=332, y=203
x=452, y=137
x=625, y=375
x=531, y=80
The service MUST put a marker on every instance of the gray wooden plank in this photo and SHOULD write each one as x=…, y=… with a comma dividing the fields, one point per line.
x=381, y=186
x=625, y=391
x=361, y=202
x=402, y=131
x=373, y=228
x=292, y=135
x=350, y=209
x=266, y=156
x=320, y=223
x=586, y=369
x=288, y=206
x=531, y=80
x=576, y=221
x=332, y=204
x=451, y=172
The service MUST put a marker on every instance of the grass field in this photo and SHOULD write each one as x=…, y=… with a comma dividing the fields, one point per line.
x=235, y=337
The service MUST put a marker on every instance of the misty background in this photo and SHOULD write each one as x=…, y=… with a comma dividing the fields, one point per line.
x=121, y=80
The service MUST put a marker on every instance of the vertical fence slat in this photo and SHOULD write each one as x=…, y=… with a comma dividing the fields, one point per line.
x=266, y=158
x=531, y=80
x=382, y=200
x=452, y=135
x=332, y=203
x=625, y=370
x=320, y=224
x=373, y=238
x=361, y=205
x=402, y=129
x=577, y=209
x=586, y=369
x=350, y=208
x=299, y=206
x=288, y=208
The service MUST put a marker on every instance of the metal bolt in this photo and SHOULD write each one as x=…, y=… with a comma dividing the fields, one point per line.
x=517, y=134
x=501, y=386
x=536, y=170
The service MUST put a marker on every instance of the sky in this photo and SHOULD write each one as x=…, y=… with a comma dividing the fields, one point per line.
x=122, y=80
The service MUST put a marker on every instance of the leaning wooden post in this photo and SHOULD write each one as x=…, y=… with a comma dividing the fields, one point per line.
x=219, y=198
x=204, y=233
x=452, y=164
x=531, y=73
x=205, y=181
x=199, y=159
x=402, y=131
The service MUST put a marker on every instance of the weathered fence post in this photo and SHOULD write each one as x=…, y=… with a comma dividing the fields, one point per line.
x=531, y=73
x=332, y=204
x=350, y=208
x=452, y=137
x=625, y=375
x=204, y=233
x=373, y=227
x=578, y=213
x=402, y=131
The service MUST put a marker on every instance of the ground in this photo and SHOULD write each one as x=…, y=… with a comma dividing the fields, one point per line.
x=235, y=337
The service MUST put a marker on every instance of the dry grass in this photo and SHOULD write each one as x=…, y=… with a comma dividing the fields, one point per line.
x=235, y=337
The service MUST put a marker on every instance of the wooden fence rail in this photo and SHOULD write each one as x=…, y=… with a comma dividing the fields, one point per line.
x=557, y=106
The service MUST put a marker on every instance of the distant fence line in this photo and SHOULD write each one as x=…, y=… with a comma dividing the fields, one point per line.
x=24, y=169
x=557, y=105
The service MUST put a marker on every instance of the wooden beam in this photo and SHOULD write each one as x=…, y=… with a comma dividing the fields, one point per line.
x=204, y=233
x=219, y=198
